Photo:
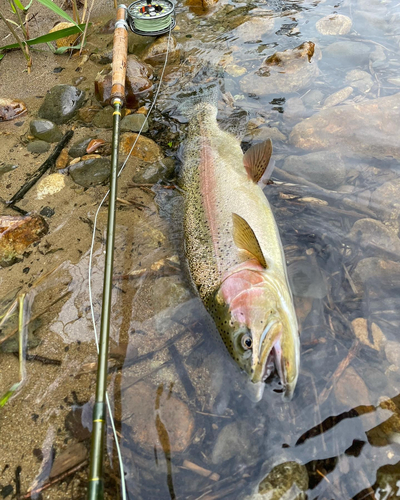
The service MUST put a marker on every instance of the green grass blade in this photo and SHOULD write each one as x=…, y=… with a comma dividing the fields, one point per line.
x=62, y=50
x=8, y=394
x=52, y=6
x=19, y=5
x=1, y=56
x=50, y=37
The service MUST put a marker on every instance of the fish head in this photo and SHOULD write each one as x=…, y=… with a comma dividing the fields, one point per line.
x=254, y=314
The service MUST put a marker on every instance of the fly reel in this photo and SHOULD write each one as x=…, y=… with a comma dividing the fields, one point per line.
x=151, y=17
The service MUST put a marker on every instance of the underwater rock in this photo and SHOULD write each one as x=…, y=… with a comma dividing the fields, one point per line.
x=235, y=70
x=360, y=327
x=372, y=271
x=50, y=185
x=133, y=123
x=91, y=172
x=346, y=129
x=284, y=72
x=373, y=233
x=203, y=4
x=103, y=58
x=359, y=79
x=294, y=110
x=155, y=53
x=11, y=108
x=288, y=480
x=338, y=97
x=67, y=41
x=347, y=54
x=254, y=29
x=392, y=351
x=45, y=130
x=169, y=291
x=350, y=389
x=157, y=419
x=313, y=98
x=263, y=133
x=331, y=175
x=38, y=147
x=145, y=149
x=78, y=149
x=385, y=200
x=335, y=24
x=236, y=439
x=138, y=85
x=306, y=280
x=61, y=103
x=72, y=456
x=161, y=170
x=17, y=233
x=104, y=118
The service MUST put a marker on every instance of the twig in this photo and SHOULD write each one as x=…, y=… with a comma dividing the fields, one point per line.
x=86, y=27
x=42, y=169
x=200, y=470
x=55, y=480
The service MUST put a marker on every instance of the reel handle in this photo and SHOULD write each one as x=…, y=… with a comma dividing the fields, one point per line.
x=120, y=53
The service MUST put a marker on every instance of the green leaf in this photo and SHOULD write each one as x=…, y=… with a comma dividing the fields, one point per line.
x=19, y=5
x=62, y=50
x=1, y=56
x=170, y=144
x=50, y=37
x=55, y=8
x=8, y=394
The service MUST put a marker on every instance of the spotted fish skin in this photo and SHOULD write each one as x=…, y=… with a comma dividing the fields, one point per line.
x=250, y=303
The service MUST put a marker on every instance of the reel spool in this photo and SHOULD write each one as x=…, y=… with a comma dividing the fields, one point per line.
x=149, y=18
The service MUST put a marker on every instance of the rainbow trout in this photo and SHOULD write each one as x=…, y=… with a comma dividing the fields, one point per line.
x=235, y=253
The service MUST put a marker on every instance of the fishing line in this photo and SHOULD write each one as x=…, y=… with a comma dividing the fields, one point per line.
x=121, y=465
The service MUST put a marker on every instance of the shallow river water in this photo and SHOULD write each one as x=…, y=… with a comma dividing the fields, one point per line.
x=186, y=426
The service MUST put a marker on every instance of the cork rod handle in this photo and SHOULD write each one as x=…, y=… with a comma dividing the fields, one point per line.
x=120, y=51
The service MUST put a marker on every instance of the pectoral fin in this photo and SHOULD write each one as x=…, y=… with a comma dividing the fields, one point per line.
x=256, y=160
x=245, y=239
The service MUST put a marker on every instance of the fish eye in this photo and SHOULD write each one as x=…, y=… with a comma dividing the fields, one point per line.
x=246, y=342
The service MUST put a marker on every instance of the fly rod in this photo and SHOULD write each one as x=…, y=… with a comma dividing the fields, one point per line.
x=120, y=51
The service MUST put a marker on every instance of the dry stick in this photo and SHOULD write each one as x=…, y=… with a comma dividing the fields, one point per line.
x=42, y=169
x=86, y=27
x=24, y=47
x=55, y=480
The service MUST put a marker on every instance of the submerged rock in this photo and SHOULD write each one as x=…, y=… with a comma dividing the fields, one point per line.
x=91, y=172
x=11, y=108
x=254, y=29
x=285, y=481
x=157, y=419
x=324, y=168
x=369, y=129
x=17, y=233
x=284, y=72
x=360, y=327
x=338, y=97
x=160, y=170
x=371, y=232
x=38, y=147
x=359, y=79
x=385, y=200
x=347, y=54
x=379, y=273
x=45, y=130
x=236, y=439
x=155, y=53
x=133, y=123
x=61, y=103
x=145, y=148
x=50, y=185
x=335, y=24
x=306, y=280
x=138, y=83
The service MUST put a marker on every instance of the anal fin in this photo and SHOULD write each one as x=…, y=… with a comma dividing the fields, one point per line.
x=245, y=239
x=256, y=160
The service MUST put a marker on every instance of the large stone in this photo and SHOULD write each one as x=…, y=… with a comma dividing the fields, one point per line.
x=372, y=271
x=288, y=480
x=137, y=83
x=284, y=72
x=385, y=200
x=368, y=129
x=235, y=439
x=61, y=103
x=104, y=118
x=157, y=419
x=78, y=149
x=91, y=172
x=160, y=170
x=17, y=233
x=145, y=148
x=359, y=79
x=45, y=130
x=67, y=41
x=38, y=147
x=134, y=122
x=11, y=108
x=371, y=232
x=155, y=53
x=335, y=24
x=347, y=54
x=338, y=97
x=254, y=29
x=323, y=168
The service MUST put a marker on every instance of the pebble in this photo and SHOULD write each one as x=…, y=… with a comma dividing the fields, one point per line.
x=63, y=160
x=350, y=389
x=38, y=147
x=61, y=103
x=235, y=70
x=384, y=274
x=360, y=327
x=300, y=63
x=133, y=123
x=78, y=149
x=50, y=185
x=103, y=58
x=91, y=172
x=74, y=455
x=371, y=232
x=335, y=24
x=254, y=29
x=286, y=480
x=17, y=233
x=45, y=130
x=157, y=419
x=155, y=53
x=161, y=170
x=338, y=97
x=146, y=149
x=359, y=79
x=330, y=176
x=263, y=133
x=104, y=118
x=11, y=108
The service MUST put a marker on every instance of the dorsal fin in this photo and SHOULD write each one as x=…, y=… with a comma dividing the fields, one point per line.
x=256, y=159
x=245, y=239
